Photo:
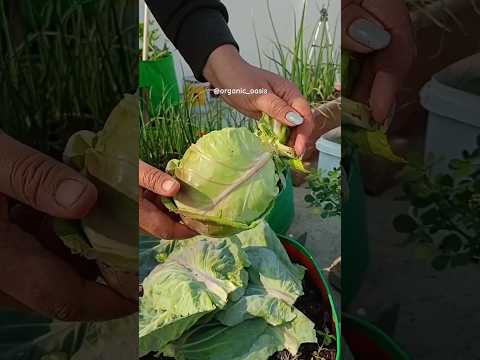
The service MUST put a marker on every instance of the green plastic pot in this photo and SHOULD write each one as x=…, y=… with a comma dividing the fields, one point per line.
x=367, y=342
x=355, y=248
x=283, y=212
x=300, y=255
x=160, y=79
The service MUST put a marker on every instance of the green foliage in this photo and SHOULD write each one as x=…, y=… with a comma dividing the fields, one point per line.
x=311, y=64
x=445, y=209
x=169, y=131
x=223, y=298
x=325, y=194
x=64, y=67
x=154, y=51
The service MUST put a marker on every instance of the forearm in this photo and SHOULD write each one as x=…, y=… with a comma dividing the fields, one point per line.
x=195, y=27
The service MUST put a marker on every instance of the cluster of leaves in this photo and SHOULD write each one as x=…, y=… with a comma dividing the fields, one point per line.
x=171, y=128
x=326, y=193
x=444, y=220
x=209, y=298
x=154, y=51
x=311, y=62
x=64, y=66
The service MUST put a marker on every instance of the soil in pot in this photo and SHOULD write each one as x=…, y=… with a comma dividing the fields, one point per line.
x=313, y=306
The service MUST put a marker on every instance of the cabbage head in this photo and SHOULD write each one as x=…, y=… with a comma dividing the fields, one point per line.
x=109, y=233
x=228, y=182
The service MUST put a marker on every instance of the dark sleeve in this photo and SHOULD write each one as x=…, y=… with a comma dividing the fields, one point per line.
x=195, y=27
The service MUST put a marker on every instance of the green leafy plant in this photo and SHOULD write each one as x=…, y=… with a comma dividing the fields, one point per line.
x=154, y=52
x=167, y=132
x=223, y=298
x=325, y=196
x=229, y=182
x=66, y=70
x=311, y=62
x=443, y=220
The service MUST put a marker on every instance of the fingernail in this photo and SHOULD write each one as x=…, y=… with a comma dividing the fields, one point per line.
x=69, y=192
x=294, y=118
x=369, y=34
x=169, y=185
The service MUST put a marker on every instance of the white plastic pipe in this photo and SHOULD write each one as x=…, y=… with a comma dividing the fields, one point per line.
x=145, y=34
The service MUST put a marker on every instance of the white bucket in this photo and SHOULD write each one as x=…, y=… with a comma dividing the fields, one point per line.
x=452, y=98
x=330, y=150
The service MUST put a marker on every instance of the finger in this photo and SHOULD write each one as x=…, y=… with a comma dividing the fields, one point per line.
x=388, y=68
x=157, y=181
x=276, y=107
x=157, y=223
x=361, y=31
x=41, y=227
x=383, y=95
x=157, y=201
x=304, y=132
x=43, y=183
x=56, y=291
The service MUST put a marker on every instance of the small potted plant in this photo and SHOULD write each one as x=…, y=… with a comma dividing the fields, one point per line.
x=443, y=221
x=157, y=68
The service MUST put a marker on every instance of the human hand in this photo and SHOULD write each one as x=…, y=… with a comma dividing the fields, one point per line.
x=382, y=31
x=154, y=217
x=32, y=275
x=326, y=117
x=225, y=69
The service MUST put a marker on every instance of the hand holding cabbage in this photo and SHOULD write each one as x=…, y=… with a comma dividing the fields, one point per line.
x=154, y=218
x=29, y=255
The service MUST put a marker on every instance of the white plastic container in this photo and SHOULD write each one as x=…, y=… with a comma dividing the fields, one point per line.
x=330, y=150
x=452, y=98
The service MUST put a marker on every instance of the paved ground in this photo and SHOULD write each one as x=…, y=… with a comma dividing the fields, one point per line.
x=437, y=311
x=323, y=239
x=323, y=236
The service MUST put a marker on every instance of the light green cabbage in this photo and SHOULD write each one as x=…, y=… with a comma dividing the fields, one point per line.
x=228, y=182
x=188, y=285
x=109, y=159
x=253, y=321
x=271, y=293
x=250, y=340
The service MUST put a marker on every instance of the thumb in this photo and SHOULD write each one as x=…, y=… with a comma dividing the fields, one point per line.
x=43, y=183
x=361, y=31
x=279, y=109
x=157, y=181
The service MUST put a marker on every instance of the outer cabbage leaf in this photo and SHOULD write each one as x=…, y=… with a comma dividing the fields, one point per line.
x=372, y=143
x=192, y=282
x=109, y=159
x=271, y=293
x=263, y=236
x=250, y=340
x=36, y=337
x=228, y=182
x=295, y=333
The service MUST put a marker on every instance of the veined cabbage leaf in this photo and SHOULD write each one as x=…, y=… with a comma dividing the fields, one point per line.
x=191, y=283
x=109, y=233
x=228, y=182
x=250, y=340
